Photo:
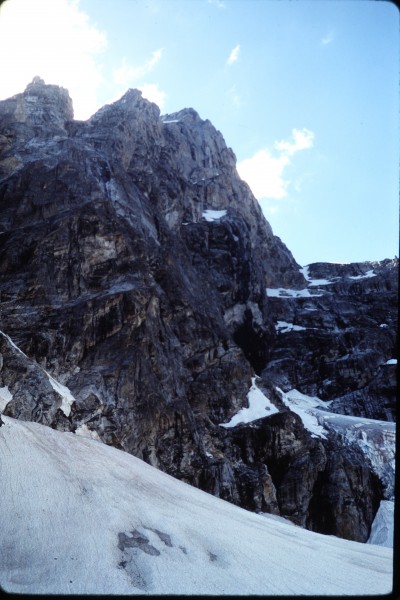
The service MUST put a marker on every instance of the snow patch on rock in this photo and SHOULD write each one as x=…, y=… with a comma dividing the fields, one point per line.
x=259, y=407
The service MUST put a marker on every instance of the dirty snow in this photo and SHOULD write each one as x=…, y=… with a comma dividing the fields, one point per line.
x=259, y=406
x=80, y=517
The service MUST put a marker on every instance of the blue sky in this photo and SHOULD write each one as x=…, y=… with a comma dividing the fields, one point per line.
x=305, y=92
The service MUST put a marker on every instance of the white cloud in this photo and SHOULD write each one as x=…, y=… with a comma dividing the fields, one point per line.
x=234, y=55
x=328, y=39
x=126, y=74
x=152, y=92
x=302, y=139
x=265, y=172
x=55, y=40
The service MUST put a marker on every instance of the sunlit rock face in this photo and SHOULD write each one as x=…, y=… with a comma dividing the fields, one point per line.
x=136, y=271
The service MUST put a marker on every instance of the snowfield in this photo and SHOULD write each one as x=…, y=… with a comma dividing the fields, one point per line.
x=80, y=517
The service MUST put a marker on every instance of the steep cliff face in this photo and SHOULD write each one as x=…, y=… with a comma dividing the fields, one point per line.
x=337, y=337
x=134, y=264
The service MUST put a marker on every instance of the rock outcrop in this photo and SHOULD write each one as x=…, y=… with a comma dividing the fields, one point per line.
x=134, y=264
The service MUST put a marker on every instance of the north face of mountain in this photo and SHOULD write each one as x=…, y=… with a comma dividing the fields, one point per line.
x=136, y=269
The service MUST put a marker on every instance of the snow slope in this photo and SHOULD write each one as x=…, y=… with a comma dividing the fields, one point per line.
x=80, y=517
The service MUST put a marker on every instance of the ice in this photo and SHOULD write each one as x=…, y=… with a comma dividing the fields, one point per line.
x=259, y=406
x=391, y=361
x=213, y=215
x=376, y=439
x=5, y=397
x=383, y=526
x=79, y=517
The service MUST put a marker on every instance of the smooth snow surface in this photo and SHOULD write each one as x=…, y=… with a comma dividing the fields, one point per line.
x=213, y=215
x=80, y=517
x=259, y=406
x=383, y=526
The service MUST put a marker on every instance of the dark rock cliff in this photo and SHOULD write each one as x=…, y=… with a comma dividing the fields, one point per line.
x=134, y=264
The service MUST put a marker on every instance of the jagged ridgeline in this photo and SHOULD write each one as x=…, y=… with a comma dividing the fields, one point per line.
x=146, y=301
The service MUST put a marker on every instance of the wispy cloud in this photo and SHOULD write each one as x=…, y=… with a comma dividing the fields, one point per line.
x=55, y=40
x=265, y=171
x=127, y=73
x=234, y=97
x=328, y=39
x=234, y=55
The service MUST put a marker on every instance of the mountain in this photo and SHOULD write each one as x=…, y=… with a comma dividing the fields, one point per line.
x=146, y=302
x=90, y=519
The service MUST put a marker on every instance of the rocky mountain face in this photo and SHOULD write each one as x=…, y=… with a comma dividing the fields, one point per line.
x=145, y=301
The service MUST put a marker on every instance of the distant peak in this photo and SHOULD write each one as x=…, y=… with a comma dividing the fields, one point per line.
x=37, y=81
